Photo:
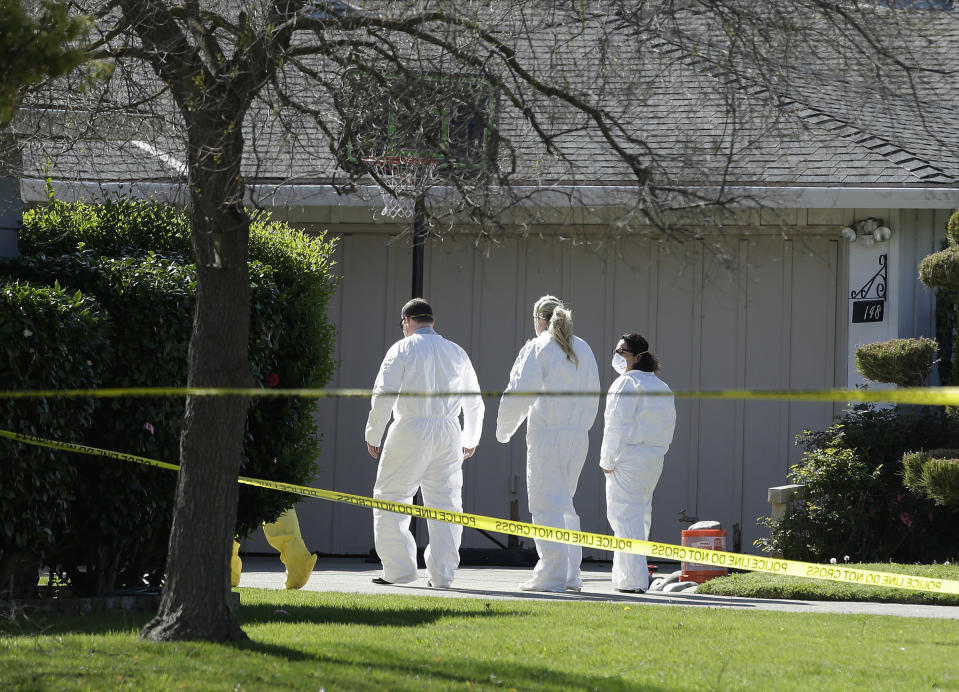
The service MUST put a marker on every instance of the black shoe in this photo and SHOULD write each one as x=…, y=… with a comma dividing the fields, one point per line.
x=381, y=581
x=631, y=590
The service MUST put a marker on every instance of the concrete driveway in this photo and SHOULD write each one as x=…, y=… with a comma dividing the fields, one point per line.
x=353, y=575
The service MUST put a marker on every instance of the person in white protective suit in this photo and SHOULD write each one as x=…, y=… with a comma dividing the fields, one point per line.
x=557, y=437
x=637, y=434
x=425, y=446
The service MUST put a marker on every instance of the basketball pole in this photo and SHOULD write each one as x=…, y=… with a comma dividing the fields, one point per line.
x=419, y=245
x=419, y=256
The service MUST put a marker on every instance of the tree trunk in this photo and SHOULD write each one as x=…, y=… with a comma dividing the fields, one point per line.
x=197, y=600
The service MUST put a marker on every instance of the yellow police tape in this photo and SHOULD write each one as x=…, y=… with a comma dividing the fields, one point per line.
x=579, y=538
x=923, y=396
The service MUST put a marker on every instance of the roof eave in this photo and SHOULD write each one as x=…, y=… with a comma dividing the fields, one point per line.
x=34, y=190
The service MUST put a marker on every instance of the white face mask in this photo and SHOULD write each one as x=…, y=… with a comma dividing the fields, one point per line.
x=619, y=364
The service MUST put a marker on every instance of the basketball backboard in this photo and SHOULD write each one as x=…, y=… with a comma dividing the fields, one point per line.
x=447, y=119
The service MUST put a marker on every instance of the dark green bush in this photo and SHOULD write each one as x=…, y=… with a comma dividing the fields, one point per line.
x=905, y=362
x=50, y=338
x=120, y=518
x=302, y=267
x=303, y=340
x=152, y=296
x=941, y=271
x=947, y=303
x=855, y=502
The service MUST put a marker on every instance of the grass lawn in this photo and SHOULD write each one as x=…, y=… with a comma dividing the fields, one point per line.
x=759, y=585
x=313, y=641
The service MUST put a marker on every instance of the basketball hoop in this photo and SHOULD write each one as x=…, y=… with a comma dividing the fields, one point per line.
x=408, y=176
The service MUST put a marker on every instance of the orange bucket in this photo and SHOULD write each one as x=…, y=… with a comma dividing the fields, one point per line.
x=705, y=539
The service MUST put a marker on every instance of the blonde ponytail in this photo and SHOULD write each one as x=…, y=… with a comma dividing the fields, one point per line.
x=560, y=321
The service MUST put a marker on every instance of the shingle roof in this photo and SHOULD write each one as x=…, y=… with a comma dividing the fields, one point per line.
x=696, y=123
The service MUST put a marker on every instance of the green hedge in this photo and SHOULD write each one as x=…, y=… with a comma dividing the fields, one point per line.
x=855, y=502
x=49, y=338
x=126, y=509
x=284, y=429
x=118, y=228
x=302, y=263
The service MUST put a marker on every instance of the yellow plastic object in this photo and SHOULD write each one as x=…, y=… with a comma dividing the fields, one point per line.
x=236, y=565
x=284, y=535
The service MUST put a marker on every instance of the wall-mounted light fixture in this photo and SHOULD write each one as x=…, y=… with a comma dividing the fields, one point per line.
x=848, y=233
x=868, y=231
x=882, y=234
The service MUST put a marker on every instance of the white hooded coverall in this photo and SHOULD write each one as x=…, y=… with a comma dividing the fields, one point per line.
x=423, y=449
x=638, y=432
x=557, y=441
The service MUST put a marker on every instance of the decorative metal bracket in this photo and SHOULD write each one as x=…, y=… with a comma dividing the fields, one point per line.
x=877, y=280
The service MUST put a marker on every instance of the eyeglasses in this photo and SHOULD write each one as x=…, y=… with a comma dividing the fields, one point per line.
x=421, y=319
x=621, y=351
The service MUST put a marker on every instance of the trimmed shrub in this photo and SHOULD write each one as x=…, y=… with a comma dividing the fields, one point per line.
x=941, y=269
x=51, y=338
x=855, y=502
x=952, y=229
x=905, y=362
x=912, y=469
x=934, y=473
x=940, y=480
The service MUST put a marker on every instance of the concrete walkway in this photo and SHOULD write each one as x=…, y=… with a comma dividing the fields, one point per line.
x=353, y=575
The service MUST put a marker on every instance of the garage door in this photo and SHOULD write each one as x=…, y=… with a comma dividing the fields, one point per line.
x=751, y=311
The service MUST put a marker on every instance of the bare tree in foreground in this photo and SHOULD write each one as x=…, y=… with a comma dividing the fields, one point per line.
x=668, y=100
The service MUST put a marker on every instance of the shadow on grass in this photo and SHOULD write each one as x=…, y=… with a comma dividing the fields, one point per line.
x=33, y=624
x=389, y=667
x=395, y=616
x=319, y=614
